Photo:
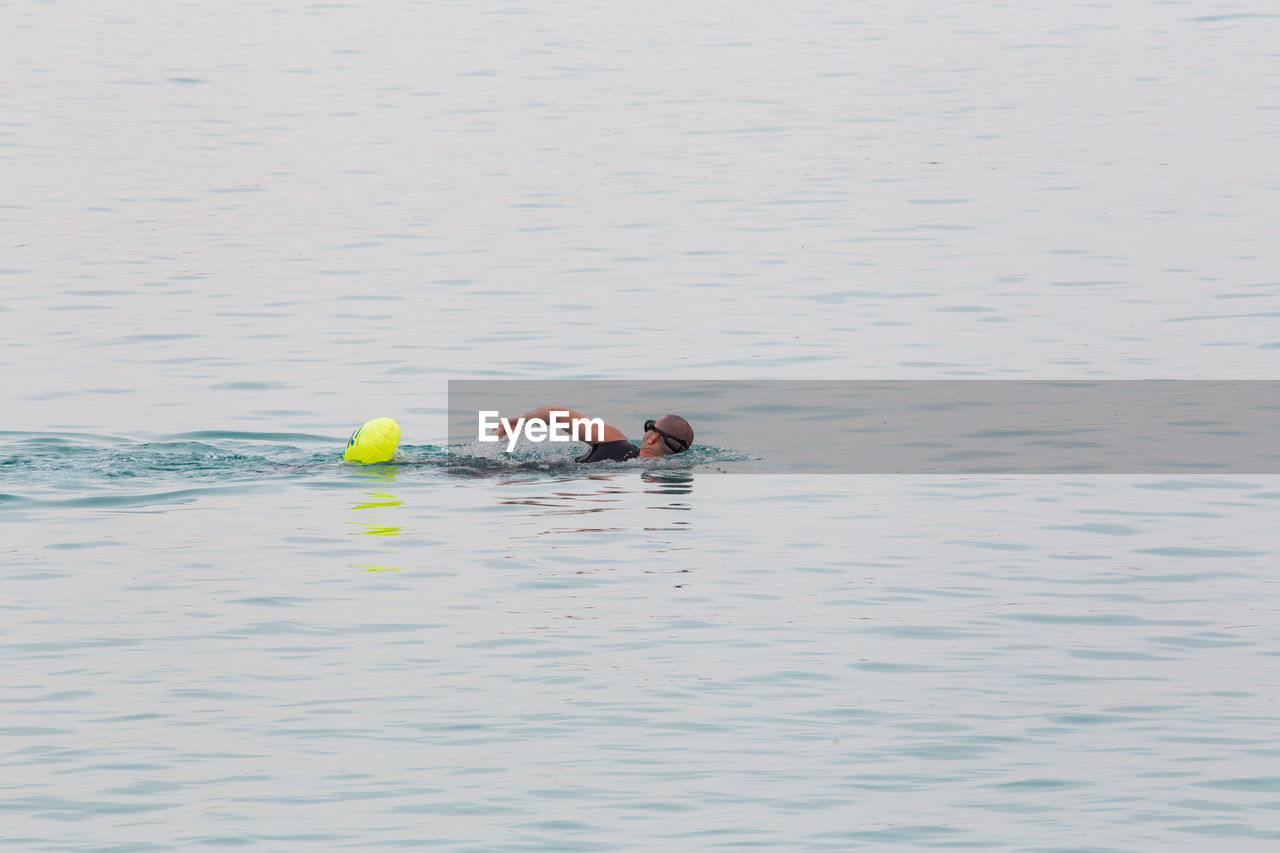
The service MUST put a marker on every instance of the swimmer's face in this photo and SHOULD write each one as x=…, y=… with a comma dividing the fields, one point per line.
x=652, y=443
x=666, y=435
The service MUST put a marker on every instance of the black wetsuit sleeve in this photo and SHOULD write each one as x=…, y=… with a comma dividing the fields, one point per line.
x=610, y=451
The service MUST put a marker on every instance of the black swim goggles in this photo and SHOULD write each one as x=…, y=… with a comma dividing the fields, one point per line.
x=667, y=437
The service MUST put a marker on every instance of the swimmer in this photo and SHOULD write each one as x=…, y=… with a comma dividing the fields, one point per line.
x=664, y=436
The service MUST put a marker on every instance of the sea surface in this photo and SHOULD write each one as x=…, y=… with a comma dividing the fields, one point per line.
x=232, y=232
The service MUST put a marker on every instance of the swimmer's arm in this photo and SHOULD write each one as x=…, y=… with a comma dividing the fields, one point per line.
x=587, y=430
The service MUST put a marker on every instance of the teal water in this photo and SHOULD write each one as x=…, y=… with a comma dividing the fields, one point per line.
x=232, y=233
x=240, y=640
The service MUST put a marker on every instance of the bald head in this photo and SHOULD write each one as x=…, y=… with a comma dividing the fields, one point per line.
x=676, y=427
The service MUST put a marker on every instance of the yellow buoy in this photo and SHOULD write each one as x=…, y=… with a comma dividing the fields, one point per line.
x=373, y=442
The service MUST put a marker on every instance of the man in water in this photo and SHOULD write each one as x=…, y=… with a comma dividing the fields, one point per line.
x=665, y=436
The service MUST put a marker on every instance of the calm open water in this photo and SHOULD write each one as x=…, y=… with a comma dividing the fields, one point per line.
x=231, y=232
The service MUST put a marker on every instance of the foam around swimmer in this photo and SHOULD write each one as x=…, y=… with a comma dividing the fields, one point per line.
x=375, y=441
